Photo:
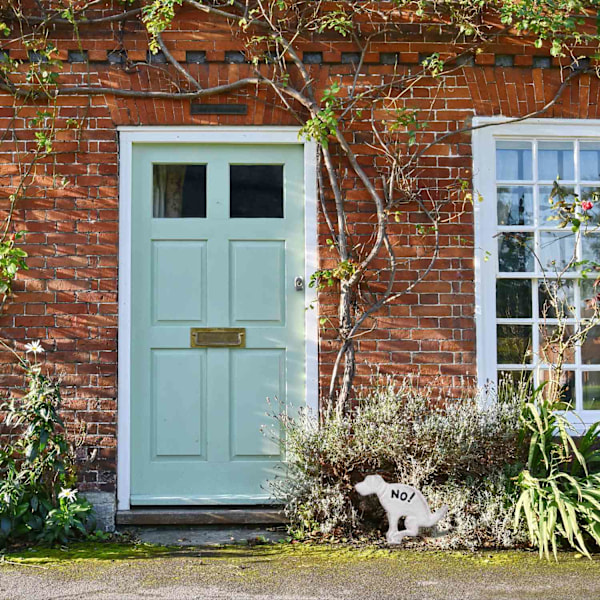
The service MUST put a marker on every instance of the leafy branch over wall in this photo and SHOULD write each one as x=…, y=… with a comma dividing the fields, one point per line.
x=364, y=271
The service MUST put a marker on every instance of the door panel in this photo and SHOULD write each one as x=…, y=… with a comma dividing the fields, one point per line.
x=178, y=391
x=179, y=292
x=257, y=384
x=257, y=281
x=211, y=252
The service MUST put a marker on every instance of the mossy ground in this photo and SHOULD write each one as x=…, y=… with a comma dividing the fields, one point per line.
x=304, y=553
x=85, y=551
x=304, y=571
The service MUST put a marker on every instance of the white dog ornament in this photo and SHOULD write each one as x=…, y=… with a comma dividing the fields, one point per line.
x=400, y=500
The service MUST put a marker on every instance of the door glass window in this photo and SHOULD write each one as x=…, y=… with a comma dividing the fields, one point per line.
x=179, y=191
x=256, y=191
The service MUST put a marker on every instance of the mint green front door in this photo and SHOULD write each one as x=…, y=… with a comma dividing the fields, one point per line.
x=217, y=242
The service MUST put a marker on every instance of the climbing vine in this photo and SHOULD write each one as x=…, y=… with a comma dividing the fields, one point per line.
x=365, y=274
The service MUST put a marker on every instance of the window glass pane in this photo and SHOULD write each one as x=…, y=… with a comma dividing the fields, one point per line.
x=557, y=250
x=515, y=252
x=513, y=298
x=547, y=213
x=565, y=385
x=515, y=205
x=256, y=191
x=556, y=299
x=513, y=161
x=590, y=292
x=551, y=340
x=590, y=246
x=179, y=191
x=555, y=160
x=591, y=390
x=589, y=161
x=510, y=382
x=513, y=344
x=590, y=349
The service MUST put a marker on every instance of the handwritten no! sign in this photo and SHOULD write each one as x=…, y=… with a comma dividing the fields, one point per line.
x=402, y=496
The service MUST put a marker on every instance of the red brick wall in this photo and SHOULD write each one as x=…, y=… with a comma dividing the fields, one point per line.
x=68, y=298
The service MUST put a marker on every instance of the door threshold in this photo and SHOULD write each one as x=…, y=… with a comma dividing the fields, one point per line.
x=201, y=516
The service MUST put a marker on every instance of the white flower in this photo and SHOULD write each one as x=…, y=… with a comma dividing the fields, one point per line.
x=70, y=495
x=35, y=347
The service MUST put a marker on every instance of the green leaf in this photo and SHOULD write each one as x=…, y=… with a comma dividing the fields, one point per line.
x=31, y=452
x=44, y=439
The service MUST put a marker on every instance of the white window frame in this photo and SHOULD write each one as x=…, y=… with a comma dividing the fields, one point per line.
x=128, y=137
x=486, y=246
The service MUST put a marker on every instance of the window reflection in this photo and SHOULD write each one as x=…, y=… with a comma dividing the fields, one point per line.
x=514, y=344
x=589, y=161
x=515, y=252
x=591, y=390
x=555, y=160
x=513, y=298
x=515, y=205
x=513, y=161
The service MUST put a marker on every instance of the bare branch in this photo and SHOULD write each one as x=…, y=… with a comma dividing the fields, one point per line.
x=176, y=63
x=531, y=115
x=322, y=197
x=55, y=19
x=29, y=91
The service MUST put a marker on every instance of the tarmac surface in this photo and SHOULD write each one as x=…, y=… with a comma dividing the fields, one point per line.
x=291, y=571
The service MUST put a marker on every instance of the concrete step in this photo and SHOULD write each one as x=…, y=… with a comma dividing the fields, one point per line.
x=206, y=535
x=201, y=516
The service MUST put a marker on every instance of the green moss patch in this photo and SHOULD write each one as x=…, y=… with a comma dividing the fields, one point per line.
x=300, y=556
x=87, y=551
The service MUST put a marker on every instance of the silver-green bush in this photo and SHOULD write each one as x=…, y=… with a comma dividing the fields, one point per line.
x=481, y=512
x=456, y=452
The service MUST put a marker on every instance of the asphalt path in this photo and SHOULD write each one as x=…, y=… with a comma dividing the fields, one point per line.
x=268, y=573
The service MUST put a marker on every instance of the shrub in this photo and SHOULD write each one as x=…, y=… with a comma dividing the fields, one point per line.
x=457, y=453
x=37, y=496
x=559, y=492
x=481, y=512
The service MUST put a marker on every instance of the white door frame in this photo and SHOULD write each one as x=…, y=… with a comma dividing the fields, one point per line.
x=128, y=136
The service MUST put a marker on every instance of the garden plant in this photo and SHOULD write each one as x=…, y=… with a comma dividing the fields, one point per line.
x=38, y=497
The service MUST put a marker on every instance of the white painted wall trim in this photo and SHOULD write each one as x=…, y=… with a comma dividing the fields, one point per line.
x=539, y=126
x=124, y=345
x=128, y=136
x=484, y=175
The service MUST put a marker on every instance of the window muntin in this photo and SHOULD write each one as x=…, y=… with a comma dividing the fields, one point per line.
x=532, y=250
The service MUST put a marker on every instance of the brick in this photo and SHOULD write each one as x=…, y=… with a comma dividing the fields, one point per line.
x=523, y=60
x=69, y=296
x=485, y=59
